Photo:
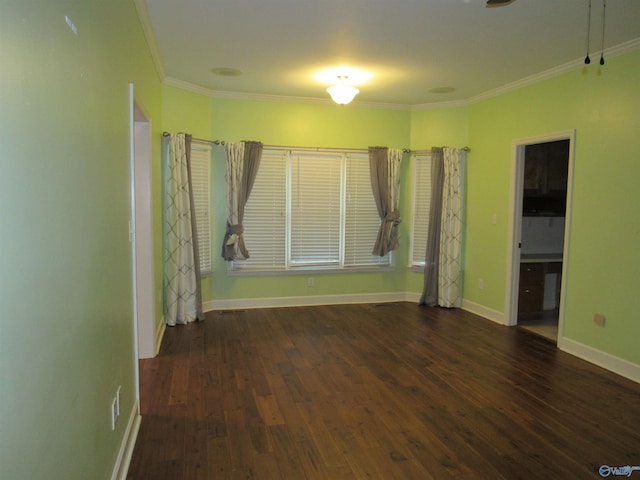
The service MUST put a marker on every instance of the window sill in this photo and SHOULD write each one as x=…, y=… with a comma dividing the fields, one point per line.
x=307, y=271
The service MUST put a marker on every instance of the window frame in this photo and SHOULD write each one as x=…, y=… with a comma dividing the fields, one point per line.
x=415, y=262
x=235, y=268
x=201, y=153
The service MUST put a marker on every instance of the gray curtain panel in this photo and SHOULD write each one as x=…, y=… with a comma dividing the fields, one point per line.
x=385, y=183
x=194, y=233
x=430, y=292
x=243, y=161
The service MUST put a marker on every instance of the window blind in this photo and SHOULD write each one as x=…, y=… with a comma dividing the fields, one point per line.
x=308, y=210
x=316, y=191
x=201, y=181
x=265, y=215
x=362, y=221
x=421, y=209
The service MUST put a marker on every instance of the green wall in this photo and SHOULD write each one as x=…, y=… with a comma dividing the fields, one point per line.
x=433, y=128
x=602, y=104
x=67, y=338
x=67, y=331
x=301, y=125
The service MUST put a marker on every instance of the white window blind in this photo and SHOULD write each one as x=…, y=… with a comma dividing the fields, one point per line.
x=316, y=191
x=421, y=209
x=362, y=221
x=201, y=181
x=265, y=216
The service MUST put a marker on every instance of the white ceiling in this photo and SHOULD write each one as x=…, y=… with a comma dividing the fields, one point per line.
x=407, y=47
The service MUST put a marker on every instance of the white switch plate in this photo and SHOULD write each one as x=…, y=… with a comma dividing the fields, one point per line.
x=118, y=401
x=114, y=414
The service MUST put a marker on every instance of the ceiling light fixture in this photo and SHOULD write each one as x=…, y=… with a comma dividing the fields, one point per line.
x=587, y=60
x=342, y=93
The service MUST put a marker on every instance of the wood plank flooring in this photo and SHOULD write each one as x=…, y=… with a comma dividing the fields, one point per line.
x=376, y=392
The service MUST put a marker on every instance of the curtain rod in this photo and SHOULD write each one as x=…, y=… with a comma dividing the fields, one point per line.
x=429, y=150
x=317, y=149
x=214, y=142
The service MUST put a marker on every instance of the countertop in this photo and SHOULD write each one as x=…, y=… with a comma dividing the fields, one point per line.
x=540, y=257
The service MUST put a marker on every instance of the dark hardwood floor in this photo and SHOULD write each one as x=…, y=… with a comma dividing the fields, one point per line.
x=376, y=392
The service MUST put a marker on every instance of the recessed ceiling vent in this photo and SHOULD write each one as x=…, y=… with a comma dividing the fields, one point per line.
x=226, y=72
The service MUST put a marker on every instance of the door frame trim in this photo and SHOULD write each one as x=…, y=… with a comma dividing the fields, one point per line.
x=141, y=234
x=515, y=224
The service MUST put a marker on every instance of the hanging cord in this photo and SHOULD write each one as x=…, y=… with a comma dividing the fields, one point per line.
x=604, y=16
x=587, y=60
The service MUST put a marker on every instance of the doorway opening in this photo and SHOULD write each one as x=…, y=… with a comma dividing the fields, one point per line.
x=540, y=219
x=142, y=231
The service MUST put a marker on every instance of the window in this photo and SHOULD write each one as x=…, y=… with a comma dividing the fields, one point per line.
x=311, y=210
x=265, y=216
x=362, y=221
x=200, y=182
x=421, y=209
x=316, y=198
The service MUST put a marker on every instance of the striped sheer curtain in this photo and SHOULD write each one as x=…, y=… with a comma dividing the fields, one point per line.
x=182, y=294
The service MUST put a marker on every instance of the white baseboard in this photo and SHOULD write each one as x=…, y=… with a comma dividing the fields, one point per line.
x=483, y=311
x=121, y=467
x=273, y=302
x=160, y=335
x=602, y=359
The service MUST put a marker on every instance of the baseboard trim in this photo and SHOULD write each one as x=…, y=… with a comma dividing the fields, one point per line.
x=602, y=359
x=160, y=335
x=485, y=312
x=121, y=467
x=274, y=302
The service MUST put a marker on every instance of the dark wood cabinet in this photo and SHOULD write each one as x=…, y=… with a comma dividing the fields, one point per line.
x=546, y=170
x=532, y=286
x=531, y=292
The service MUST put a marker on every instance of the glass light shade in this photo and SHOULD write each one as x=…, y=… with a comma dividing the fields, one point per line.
x=342, y=94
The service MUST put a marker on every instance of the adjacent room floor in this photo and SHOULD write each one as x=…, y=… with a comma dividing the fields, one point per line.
x=545, y=324
x=376, y=392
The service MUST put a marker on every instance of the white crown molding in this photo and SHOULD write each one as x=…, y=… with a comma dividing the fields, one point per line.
x=554, y=72
x=530, y=80
x=439, y=105
x=261, y=97
x=524, y=82
x=149, y=34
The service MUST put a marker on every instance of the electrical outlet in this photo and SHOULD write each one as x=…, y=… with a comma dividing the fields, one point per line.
x=311, y=282
x=598, y=319
x=480, y=283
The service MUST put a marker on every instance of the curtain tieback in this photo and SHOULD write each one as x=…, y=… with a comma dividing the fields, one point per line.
x=234, y=232
x=393, y=217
